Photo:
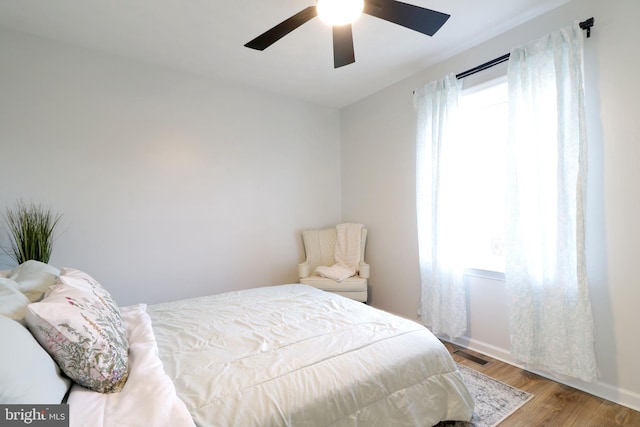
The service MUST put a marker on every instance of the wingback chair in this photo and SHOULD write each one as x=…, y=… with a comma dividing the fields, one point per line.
x=319, y=245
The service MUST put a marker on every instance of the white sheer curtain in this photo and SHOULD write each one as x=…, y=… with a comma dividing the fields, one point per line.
x=443, y=298
x=550, y=316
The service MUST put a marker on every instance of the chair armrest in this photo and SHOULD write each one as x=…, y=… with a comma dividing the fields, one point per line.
x=364, y=270
x=303, y=270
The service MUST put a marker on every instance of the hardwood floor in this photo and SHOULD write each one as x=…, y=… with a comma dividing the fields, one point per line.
x=553, y=404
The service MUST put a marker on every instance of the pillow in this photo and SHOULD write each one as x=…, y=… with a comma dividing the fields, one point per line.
x=29, y=375
x=34, y=278
x=80, y=325
x=26, y=283
x=13, y=303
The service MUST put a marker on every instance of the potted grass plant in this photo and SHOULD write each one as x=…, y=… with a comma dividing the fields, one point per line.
x=31, y=228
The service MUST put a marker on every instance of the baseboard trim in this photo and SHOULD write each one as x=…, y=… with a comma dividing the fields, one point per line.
x=606, y=391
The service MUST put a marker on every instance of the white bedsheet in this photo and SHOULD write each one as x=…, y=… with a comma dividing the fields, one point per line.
x=148, y=398
x=293, y=355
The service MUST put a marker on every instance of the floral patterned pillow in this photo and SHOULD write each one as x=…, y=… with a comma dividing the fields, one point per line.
x=80, y=325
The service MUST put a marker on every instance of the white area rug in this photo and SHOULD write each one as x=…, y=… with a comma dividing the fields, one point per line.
x=495, y=400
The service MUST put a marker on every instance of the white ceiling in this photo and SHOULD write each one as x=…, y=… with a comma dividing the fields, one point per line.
x=206, y=37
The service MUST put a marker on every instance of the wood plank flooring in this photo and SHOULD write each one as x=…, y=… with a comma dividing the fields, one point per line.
x=554, y=404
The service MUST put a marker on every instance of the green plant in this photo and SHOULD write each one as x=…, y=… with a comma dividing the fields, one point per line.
x=31, y=229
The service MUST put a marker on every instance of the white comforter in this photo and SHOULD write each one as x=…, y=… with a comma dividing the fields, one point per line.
x=292, y=355
x=148, y=398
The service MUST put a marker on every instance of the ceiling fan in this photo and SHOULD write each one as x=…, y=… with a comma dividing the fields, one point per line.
x=425, y=21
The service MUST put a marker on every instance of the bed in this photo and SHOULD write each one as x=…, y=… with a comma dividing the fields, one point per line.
x=287, y=355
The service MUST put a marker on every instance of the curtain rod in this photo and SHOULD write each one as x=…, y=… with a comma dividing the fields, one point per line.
x=585, y=25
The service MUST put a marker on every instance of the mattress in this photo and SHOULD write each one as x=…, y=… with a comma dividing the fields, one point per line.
x=292, y=355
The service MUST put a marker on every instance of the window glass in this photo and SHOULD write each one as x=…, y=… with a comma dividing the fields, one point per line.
x=484, y=109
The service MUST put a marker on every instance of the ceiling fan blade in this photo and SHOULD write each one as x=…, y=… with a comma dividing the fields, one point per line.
x=343, y=53
x=425, y=21
x=271, y=36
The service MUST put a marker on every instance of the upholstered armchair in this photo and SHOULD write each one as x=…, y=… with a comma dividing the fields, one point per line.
x=320, y=246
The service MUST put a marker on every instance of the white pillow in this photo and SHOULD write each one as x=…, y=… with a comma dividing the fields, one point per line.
x=26, y=283
x=28, y=373
x=34, y=278
x=13, y=303
x=80, y=325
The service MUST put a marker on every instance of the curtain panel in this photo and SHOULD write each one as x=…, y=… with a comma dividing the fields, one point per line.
x=443, y=301
x=549, y=309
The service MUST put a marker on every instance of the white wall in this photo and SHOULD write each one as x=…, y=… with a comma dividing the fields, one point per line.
x=378, y=189
x=170, y=185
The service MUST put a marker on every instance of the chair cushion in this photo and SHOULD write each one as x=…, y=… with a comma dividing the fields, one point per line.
x=357, y=296
x=352, y=284
x=354, y=287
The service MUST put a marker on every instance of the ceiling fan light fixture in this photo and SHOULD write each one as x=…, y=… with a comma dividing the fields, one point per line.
x=339, y=12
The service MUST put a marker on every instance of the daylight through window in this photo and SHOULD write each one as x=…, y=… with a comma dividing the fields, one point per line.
x=484, y=113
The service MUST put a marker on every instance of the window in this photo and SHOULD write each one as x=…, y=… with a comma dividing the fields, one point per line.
x=544, y=179
x=484, y=111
